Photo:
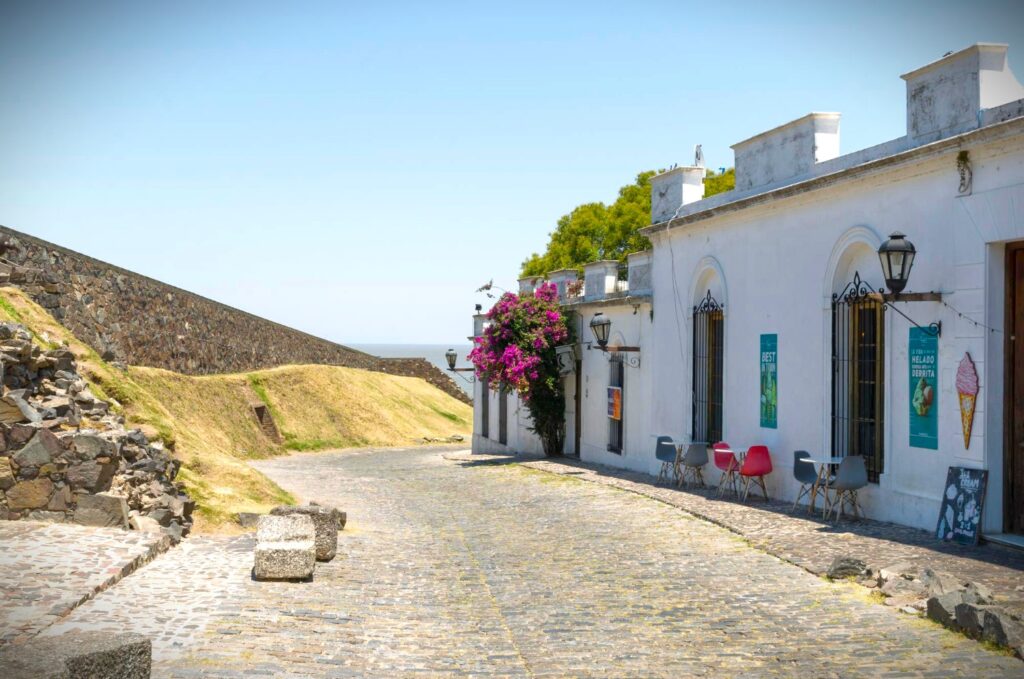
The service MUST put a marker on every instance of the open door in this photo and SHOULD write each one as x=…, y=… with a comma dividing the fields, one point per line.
x=1013, y=411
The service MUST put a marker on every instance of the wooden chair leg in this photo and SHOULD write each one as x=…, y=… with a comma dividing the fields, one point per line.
x=764, y=488
x=699, y=477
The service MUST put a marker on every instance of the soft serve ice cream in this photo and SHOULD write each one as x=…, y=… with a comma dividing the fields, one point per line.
x=967, y=388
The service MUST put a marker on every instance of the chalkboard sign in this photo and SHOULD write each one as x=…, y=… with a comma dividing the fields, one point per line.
x=962, y=502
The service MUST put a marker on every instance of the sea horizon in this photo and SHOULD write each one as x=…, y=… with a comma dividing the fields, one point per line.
x=435, y=353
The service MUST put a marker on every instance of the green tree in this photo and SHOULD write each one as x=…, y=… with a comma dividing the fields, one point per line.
x=595, y=231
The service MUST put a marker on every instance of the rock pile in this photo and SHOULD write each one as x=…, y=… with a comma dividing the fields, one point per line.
x=962, y=606
x=64, y=456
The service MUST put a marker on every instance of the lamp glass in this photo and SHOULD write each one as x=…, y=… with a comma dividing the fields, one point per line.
x=451, y=357
x=896, y=256
x=601, y=325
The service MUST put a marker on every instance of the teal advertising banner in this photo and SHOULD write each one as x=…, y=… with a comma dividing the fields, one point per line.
x=923, y=360
x=770, y=381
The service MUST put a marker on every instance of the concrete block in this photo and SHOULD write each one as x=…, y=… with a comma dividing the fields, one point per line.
x=325, y=523
x=79, y=655
x=285, y=548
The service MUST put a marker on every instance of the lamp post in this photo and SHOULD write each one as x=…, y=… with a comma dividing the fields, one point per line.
x=896, y=255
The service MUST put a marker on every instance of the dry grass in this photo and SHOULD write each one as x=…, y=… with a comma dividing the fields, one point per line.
x=209, y=423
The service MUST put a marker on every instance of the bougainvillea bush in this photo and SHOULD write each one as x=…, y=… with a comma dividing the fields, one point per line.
x=517, y=350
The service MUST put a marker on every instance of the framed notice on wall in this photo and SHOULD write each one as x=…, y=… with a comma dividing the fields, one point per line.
x=923, y=362
x=770, y=381
x=615, y=403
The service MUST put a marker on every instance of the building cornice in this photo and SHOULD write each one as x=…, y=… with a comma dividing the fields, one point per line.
x=989, y=133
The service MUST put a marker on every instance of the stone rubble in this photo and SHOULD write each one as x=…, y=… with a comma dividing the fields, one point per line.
x=65, y=457
x=966, y=607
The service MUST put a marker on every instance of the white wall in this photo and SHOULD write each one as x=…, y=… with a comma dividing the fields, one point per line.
x=628, y=329
x=780, y=263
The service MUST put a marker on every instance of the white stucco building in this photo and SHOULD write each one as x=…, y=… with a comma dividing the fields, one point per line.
x=791, y=255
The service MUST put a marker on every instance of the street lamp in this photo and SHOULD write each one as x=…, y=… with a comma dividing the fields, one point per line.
x=601, y=325
x=897, y=257
x=452, y=356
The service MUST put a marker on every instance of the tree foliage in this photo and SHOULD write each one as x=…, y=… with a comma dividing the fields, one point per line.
x=595, y=231
x=517, y=350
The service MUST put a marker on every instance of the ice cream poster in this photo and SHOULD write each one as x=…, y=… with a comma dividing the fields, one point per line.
x=923, y=359
x=962, y=502
x=770, y=381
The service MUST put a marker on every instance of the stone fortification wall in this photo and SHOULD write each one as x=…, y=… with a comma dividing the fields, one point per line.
x=137, y=320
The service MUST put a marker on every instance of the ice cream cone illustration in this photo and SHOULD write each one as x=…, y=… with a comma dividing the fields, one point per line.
x=967, y=388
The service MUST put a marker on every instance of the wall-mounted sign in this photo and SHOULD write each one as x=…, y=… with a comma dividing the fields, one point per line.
x=615, y=403
x=967, y=389
x=566, y=355
x=770, y=381
x=962, y=502
x=923, y=362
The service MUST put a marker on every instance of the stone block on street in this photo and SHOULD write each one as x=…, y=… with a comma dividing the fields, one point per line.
x=285, y=548
x=79, y=655
x=324, y=522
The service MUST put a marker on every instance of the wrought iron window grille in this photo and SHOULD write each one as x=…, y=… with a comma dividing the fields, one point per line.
x=707, y=373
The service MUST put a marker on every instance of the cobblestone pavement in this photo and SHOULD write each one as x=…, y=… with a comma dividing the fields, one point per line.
x=46, y=570
x=807, y=540
x=467, y=569
x=174, y=598
x=455, y=569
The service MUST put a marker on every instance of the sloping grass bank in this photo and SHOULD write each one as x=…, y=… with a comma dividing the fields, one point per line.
x=209, y=423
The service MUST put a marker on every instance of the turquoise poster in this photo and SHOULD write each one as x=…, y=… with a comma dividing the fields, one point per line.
x=923, y=359
x=770, y=381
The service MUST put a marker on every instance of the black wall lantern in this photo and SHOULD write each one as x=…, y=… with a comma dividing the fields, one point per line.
x=452, y=356
x=896, y=256
x=601, y=326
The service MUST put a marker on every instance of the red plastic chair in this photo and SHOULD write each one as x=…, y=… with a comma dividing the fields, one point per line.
x=756, y=465
x=727, y=463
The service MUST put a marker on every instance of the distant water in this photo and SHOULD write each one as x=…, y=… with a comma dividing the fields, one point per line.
x=432, y=352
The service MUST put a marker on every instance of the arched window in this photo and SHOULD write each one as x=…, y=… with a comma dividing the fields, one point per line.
x=858, y=375
x=708, y=363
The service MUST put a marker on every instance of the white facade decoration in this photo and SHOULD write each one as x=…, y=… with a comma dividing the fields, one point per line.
x=801, y=223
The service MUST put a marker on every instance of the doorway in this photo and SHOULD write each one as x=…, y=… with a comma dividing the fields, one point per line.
x=578, y=421
x=1013, y=407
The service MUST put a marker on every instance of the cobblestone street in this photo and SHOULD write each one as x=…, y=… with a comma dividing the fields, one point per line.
x=468, y=569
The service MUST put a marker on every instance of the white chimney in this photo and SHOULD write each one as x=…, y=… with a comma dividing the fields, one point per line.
x=945, y=97
x=787, y=151
x=673, y=189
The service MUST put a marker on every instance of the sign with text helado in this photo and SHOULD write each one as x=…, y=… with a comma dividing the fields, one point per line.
x=923, y=362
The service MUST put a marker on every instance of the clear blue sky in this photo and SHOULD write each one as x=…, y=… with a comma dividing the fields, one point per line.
x=356, y=170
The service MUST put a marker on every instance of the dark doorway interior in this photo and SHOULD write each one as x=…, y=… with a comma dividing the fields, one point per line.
x=1013, y=411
